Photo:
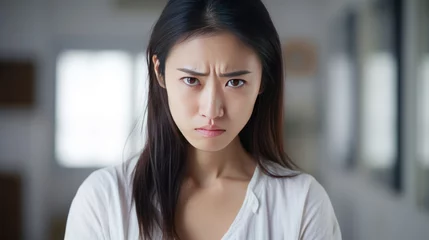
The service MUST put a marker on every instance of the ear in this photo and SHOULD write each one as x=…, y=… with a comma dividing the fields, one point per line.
x=159, y=77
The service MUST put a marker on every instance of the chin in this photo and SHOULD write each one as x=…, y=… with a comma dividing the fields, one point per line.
x=209, y=144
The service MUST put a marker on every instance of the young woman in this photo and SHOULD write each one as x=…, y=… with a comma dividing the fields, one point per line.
x=213, y=166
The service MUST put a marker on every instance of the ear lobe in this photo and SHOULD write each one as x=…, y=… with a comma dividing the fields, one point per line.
x=159, y=77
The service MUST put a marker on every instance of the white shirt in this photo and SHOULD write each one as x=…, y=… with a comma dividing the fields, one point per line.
x=273, y=208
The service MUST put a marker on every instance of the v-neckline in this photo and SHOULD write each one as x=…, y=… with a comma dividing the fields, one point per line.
x=244, y=206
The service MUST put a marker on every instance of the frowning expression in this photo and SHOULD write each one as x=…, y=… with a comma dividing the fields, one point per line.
x=212, y=82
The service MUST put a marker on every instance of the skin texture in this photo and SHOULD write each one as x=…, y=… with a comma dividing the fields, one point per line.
x=212, y=81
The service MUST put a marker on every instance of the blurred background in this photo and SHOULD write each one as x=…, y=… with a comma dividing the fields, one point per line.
x=72, y=91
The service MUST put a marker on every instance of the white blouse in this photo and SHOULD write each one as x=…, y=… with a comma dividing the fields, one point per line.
x=273, y=208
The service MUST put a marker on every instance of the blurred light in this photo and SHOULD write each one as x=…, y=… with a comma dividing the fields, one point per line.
x=340, y=110
x=423, y=124
x=141, y=86
x=378, y=111
x=93, y=107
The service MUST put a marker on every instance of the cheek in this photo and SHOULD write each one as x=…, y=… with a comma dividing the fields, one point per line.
x=240, y=108
x=182, y=104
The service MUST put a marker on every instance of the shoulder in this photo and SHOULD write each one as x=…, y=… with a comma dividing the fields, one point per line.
x=108, y=185
x=91, y=208
x=299, y=187
x=304, y=200
x=109, y=178
x=299, y=183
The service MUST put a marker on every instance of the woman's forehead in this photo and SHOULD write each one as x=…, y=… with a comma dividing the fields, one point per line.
x=222, y=48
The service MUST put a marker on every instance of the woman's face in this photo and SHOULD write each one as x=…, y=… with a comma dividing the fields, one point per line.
x=212, y=83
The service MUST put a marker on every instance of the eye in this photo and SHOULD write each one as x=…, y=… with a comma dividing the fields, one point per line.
x=235, y=83
x=190, y=81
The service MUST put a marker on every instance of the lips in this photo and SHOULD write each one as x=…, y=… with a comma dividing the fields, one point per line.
x=210, y=132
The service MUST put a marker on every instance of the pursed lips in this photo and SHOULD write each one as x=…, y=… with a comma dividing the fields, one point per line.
x=210, y=131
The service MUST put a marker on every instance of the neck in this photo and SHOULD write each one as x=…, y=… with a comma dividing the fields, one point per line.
x=204, y=167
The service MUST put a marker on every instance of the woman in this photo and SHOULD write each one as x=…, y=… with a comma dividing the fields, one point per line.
x=213, y=166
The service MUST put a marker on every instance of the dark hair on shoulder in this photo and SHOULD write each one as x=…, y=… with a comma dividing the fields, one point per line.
x=160, y=168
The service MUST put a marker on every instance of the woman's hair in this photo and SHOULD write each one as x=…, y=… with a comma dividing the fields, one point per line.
x=160, y=168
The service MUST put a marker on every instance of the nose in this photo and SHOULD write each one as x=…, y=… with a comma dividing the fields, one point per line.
x=211, y=101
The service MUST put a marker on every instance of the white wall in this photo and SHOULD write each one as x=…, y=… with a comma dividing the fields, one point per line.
x=302, y=19
x=40, y=29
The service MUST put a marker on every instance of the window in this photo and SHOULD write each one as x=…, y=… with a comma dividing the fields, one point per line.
x=99, y=99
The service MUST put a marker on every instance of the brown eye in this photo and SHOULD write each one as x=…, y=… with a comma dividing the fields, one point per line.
x=190, y=81
x=235, y=83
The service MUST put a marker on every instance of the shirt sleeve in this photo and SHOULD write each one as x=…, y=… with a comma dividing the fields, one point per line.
x=87, y=218
x=319, y=221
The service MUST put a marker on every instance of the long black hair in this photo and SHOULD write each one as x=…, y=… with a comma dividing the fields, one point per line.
x=160, y=168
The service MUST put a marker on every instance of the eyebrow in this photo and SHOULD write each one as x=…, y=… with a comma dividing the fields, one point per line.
x=230, y=74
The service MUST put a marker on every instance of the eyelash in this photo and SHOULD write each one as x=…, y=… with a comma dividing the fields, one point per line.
x=242, y=82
